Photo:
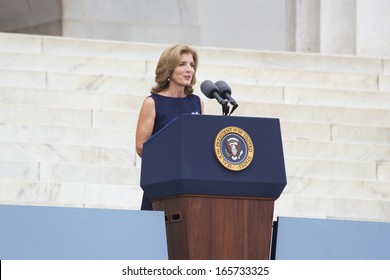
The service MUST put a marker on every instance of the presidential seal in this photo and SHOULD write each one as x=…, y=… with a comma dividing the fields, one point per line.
x=234, y=148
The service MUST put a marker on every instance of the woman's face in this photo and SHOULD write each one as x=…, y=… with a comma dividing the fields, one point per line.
x=184, y=71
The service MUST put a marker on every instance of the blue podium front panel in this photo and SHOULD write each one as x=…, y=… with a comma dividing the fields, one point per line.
x=325, y=239
x=180, y=159
x=59, y=233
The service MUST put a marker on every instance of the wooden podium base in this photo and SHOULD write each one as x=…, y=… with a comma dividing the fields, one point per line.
x=217, y=228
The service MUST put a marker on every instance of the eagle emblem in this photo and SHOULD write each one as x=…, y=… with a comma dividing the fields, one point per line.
x=234, y=148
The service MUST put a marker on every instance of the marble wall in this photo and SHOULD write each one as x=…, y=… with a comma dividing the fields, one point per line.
x=217, y=23
x=356, y=27
x=338, y=26
x=373, y=28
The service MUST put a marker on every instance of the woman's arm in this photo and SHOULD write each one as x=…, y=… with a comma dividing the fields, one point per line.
x=145, y=124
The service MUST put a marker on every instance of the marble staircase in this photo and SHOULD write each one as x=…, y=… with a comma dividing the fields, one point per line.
x=68, y=111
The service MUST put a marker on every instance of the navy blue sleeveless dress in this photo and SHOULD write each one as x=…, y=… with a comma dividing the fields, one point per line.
x=168, y=108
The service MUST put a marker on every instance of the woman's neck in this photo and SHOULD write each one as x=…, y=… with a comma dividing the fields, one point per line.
x=174, y=92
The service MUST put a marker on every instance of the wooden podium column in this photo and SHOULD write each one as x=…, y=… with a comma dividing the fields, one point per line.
x=201, y=227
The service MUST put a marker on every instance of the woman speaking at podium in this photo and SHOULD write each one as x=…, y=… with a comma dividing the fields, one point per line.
x=171, y=96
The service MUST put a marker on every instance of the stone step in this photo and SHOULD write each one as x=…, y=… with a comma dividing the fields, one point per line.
x=242, y=93
x=67, y=117
x=333, y=208
x=305, y=131
x=140, y=68
x=294, y=60
x=327, y=150
x=257, y=67
x=70, y=194
x=360, y=134
x=319, y=114
x=46, y=116
x=62, y=46
x=308, y=113
x=69, y=173
x=336, y=169
x=338, y=133
x=374, y=119
x=384, y=170
x=384, y=82
x=337, y=188
x=263, y=77
x=71, y=99
x=64, y=135
x=337, y=98
x=75, y=82
x=70, y=64
x=25, y=79
x=310, y=96
x=294, y=78
x=12, y=42
x=64, y=154
x=66, y=46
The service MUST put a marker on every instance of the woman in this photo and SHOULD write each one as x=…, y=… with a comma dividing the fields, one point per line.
x=171, y=96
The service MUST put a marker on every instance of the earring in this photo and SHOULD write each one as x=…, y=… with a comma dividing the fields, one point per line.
x=169, y=79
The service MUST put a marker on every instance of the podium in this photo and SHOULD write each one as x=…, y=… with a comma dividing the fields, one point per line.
x=216, y=178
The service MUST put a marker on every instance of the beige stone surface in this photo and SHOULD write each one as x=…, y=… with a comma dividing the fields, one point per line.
x=68, y=112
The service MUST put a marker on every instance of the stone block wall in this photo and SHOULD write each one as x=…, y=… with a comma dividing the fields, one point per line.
x=353, y=27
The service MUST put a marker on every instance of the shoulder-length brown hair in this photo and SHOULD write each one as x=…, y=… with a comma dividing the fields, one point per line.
x=169, y=59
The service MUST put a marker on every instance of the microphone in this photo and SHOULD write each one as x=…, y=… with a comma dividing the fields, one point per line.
x=226, y=93
x=210, y=90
